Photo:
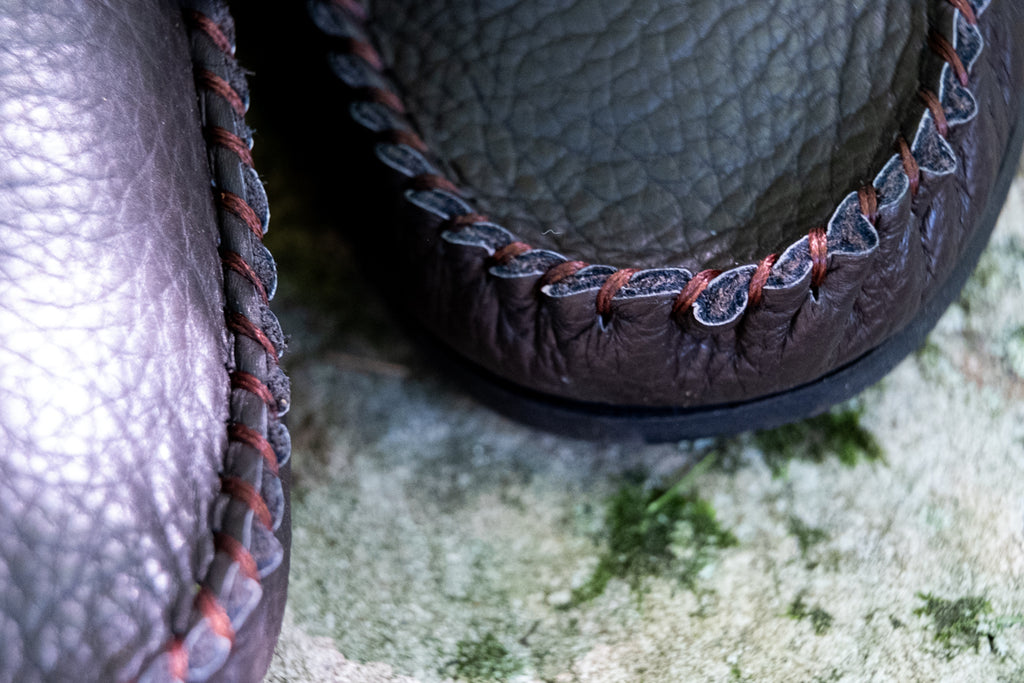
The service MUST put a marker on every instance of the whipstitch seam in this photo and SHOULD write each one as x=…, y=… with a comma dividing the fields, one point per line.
x=403, y=150
x=210, y=611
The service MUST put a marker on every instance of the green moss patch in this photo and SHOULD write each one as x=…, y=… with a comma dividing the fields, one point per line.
x=821, y=621
x=806, y=535
x=656, y=533
x=959, y=624
x=964, y=623
x=483, y=661
x=809, y=539
x=837, y=434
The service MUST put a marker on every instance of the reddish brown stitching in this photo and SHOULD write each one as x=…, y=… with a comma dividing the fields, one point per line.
x=467, y=219
x=353, y=7
x=238, y=206
x=817, y=242
x=219, y=86
x=610, y=288
x=760, y=279
x=693, y=289
x=247, y=382
x=381, y=96
x=944, y=49
x=910, y=166
x=508, y=252
x=243, y=491
x=868, y=198
x=405, y=137
x=239, y=324
x=432, y=181
x=225, y=138
x=230, y=546
x=245, y=434
x=211, y=29
x=177, y=659
x=965, y=9
x=560, y=272
x=215, y=614
x=932, y=101
x=361, y=49
x=235, y=262
x=220, y=124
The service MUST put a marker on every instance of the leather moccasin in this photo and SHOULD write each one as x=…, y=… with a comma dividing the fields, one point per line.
x=143, y=464
x=678, y=217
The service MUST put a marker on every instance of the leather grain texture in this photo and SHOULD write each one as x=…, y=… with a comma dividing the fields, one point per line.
x=874, y=269
x=697, y=134
x=113, y=350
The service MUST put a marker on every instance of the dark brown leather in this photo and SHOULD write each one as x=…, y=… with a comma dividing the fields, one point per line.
x=816, y=312
x=697, y=134
x=115, y=359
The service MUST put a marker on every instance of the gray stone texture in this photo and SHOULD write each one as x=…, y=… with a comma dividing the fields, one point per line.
x=425, y=523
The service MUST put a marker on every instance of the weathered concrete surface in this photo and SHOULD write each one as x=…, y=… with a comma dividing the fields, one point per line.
x=435, y=540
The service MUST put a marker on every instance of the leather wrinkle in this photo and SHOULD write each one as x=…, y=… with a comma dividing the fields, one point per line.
x=548, y=177
x=104, y=242
x=165, y=445
x=783, y=317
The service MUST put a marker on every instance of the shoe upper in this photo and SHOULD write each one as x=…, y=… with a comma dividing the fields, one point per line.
x=133, y=473
x=676, y=204
x=700, y=134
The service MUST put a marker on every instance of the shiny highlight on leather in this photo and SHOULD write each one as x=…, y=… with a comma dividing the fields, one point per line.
x=140, y=441
x=251, y=505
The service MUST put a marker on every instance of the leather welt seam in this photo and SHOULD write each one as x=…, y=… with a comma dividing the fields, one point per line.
x=211, y=616
x=806, y=260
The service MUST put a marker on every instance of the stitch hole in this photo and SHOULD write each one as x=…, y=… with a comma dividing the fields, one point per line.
x=239, y=324
x=868, y=198
x=381, y=96
x=240, y=208
x=465, y=220
x=910, y=166
x=222, y=137
x=404, y=137
x=560, y=272
x=230, y=546
x=817, y=241
x=218, y=86
x=361, y=49
x=609, y=289
x=760, y=279
x=213, y=31
x=177, y=659
x=244, y=492
x=245, y=381
x=233, y=261
x=965, y=9
x=508, y=252
x=215, y=614
x=693, y=289
x=941, y=46
x=243, y=434
x=931, y=100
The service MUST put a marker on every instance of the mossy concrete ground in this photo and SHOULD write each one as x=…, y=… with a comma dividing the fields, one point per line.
x=435, y=540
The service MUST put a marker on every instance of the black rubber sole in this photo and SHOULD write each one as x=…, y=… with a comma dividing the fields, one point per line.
x=652, y=425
